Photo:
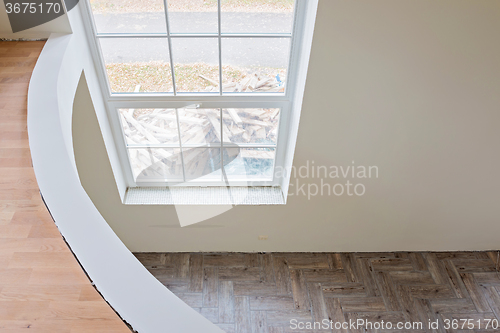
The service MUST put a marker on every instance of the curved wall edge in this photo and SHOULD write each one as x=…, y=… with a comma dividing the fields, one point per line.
x=140, y=299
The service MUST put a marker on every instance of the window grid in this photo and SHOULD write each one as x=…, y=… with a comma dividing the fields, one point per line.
x=219, y=145
x=172, y=71
x=240, y=99
x=219, y=35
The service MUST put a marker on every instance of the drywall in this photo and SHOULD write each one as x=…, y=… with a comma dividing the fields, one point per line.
x=411, y=87
x=78, y=52
x=58, y=25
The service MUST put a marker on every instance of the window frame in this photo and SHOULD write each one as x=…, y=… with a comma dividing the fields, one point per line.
x=279, y=151
x=284, y=101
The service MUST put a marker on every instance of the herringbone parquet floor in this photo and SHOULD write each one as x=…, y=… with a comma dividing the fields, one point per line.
x=264, y=292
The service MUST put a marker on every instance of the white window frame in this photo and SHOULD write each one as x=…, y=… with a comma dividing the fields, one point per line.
x=285, y=101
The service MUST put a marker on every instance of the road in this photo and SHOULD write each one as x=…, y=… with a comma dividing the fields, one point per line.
x=265, y=52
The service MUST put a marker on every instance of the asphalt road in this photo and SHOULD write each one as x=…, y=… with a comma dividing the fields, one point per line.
x=245, y=52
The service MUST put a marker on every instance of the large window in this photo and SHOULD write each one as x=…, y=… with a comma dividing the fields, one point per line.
x=199, y=89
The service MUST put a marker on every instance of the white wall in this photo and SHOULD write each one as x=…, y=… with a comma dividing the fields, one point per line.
x=412, y=87
x=58, y=25
x=78, y=52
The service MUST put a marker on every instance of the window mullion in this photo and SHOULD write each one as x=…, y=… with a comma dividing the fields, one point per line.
x=220, y=47
x=165, y=3
x=223, y=171
x=180, y=145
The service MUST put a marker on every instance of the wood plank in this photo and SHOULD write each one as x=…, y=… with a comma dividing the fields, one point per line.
x=282, y=275
x=365, y=304
x=196, y=273
x=489, y=278
x=435, y=268
x=455, y=280
x=242, y=314
x=259, y=322
x=408, y=277
x=226, y=302
x=327, y=276
x=194, y=300
x=335, y=313
x=387, y=290
x=211, y=314
x=417, y=261
x=390, y=264
x=229, y=260
x=475, y=293
x=474, y=265
x=335, y=260
x=307, y=261
x=210, y=287
x=254, y=288
x=344, y=290
x=252, y=260
x=431, y=291
x=239, y=274
x=349, y=268
x=318, y=305
x=366, y=274
x=282, y=317
x=271, y=303
x=407, y=304
x=299, y=290
x=493, y=299
x=267, y=268
x=427, y=315
x=459, y=305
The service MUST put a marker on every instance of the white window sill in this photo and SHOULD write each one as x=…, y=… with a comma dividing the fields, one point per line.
x=214, y=195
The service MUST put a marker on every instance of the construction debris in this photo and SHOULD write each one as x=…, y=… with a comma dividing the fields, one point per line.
x=254, y=82
x=198, y=129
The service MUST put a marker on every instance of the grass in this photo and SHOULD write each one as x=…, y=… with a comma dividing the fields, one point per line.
x=157, y=77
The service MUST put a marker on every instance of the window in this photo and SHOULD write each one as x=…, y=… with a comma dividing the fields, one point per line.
x=200, y=91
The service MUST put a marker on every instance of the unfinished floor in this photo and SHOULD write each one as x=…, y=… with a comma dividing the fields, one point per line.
x=262, y=292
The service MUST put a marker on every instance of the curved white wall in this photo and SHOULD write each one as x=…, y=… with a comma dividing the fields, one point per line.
x=124, y=282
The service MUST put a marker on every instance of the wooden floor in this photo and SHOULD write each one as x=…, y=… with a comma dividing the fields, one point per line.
x=263, y=292
x=42, y=287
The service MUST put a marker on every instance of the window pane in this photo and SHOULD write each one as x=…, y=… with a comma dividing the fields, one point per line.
x=254, y=64
x=202, y=163
x=192, y=16
x=149, y=126
x=196, y=64
x=250, y=163
x=156, y=164
x=137, y=64
x=251, y=125
x=258, y=16
x=199, y=126
x=145, y=16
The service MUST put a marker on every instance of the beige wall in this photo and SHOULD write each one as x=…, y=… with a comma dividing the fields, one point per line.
x=412, y=87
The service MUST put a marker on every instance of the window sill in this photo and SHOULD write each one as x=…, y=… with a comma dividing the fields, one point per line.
x=236, y=195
